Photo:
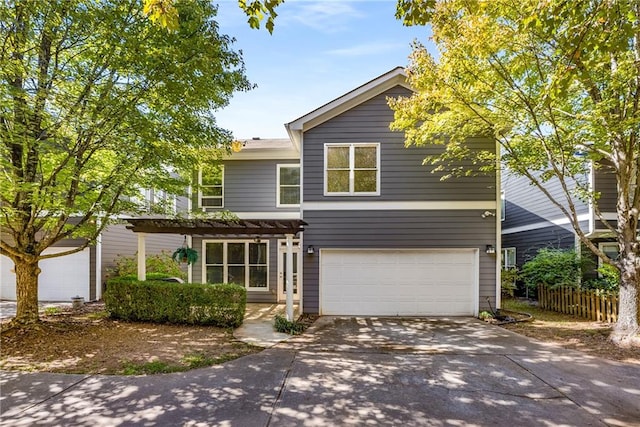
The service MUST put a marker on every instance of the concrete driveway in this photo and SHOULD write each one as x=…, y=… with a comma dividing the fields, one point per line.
x=378, y=372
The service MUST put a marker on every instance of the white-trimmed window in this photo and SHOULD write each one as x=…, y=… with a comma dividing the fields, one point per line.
x=164, y=202
x=211, y=188
x=503, y=206
x=610, y=249
x=242, y=262
x=288, y=183
x=508, y=258
x=352, y=169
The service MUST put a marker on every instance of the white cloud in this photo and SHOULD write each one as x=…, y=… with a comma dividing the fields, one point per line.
x=367, y=49
x=324, y=16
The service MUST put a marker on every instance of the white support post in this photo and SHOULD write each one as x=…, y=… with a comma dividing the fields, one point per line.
x=190, y=266
x=289, y=278
x=142, y=257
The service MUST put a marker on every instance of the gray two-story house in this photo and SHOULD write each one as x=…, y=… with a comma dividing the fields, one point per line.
x=531, y=222
x=86, y=272
x=372, y=230
x=383, y=235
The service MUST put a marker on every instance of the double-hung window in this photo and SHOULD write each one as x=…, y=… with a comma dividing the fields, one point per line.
x=352, y=169
x=241, y=262
x=610, y=249
x=211, y=187
x=288, y=186
x=508, y=258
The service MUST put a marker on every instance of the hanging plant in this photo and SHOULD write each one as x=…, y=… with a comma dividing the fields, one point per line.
x=185, y=254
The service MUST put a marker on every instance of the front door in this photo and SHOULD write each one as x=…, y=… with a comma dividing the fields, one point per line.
x=282, y=269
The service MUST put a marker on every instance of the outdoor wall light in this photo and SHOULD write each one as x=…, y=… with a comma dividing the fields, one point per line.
x=310, y=250
x=490, y=249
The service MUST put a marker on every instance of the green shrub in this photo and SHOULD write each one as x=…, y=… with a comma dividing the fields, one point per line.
x=509, y=277
x=485, y=315
x=552, y=268
x=161, y=263
x=288, y=327
x=220, y=305
x=150, y=276
x=609, y=279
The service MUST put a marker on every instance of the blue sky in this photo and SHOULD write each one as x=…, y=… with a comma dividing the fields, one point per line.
x=318, y=51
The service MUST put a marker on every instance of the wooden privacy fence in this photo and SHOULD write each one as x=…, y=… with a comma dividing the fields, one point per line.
x=595, y=305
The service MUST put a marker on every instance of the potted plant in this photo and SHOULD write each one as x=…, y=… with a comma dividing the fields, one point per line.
x=185, y=254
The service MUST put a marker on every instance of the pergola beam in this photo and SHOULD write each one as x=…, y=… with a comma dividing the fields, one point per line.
x=217, y=227
x=192, y=227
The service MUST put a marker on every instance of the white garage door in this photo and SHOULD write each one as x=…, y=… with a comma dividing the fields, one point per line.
x=61, y=278
x=398, y=282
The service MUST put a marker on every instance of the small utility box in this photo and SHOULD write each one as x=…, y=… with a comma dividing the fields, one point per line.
x=77, y=302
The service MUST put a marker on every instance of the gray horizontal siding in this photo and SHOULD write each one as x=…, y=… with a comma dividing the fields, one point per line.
x=270, y=296
x=403, y=177
x=250, y=186
x=528, y=243
x=398, y=230
x=118, y=240
x=526, y=204
x=605, y=184
x=182, y=204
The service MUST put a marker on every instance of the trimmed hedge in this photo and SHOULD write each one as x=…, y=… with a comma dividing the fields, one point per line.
x=192, y=303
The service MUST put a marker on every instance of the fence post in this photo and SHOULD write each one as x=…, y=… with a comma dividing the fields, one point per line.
x=540, y=297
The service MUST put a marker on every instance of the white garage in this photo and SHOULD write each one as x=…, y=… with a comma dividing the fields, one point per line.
x=399, y=282
x=61, y=278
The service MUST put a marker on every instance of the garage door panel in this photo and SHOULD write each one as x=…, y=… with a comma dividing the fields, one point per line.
x=398, y=282
x=61, y=278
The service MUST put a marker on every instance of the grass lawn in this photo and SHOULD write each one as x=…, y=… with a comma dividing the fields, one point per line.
x=569, y=332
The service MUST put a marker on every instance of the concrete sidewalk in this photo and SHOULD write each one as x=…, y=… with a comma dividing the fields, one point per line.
x=8, y=308
x=258, y=325
x=352, y=371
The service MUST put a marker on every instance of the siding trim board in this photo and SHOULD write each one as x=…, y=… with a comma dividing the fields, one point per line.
x=543, y=224
x=268, y=215
x=407, y=205
x=281, y=154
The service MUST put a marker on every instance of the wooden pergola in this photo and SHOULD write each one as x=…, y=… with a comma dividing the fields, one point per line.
x=220, y=227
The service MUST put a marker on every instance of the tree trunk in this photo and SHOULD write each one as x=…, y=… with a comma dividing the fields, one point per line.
x=27, y=291
x=627, y=327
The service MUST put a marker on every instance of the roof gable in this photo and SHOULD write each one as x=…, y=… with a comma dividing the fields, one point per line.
x=346, y=102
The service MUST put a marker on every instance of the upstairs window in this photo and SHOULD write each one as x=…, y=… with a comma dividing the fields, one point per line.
x=288, y=186
x=352, y=169
x=155, y=201
x=164, y=202
x=211, y=188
